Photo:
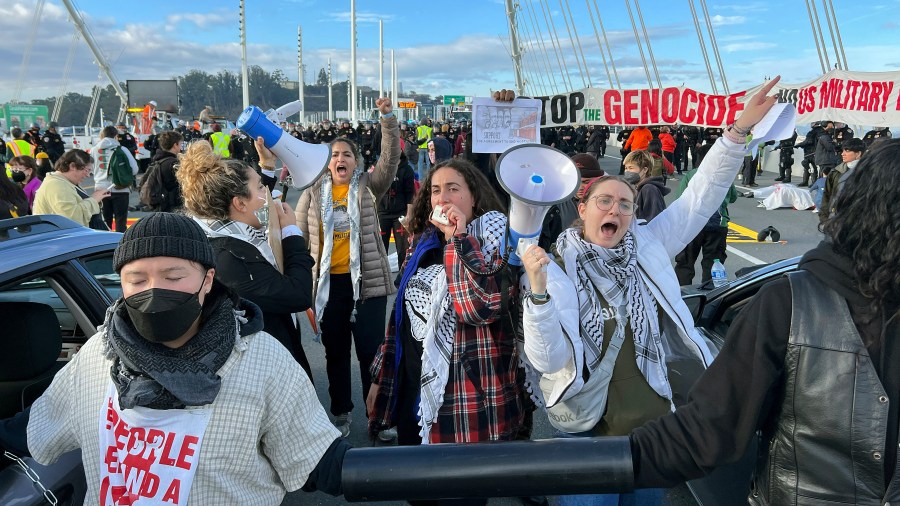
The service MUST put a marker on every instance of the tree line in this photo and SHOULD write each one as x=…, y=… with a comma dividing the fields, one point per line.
x=222, y=91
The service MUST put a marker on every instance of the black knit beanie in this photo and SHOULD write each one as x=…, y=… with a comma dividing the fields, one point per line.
x=164, y=235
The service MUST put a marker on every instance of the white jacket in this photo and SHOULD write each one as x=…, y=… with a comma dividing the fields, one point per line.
x=102, y=178
x=552, y=342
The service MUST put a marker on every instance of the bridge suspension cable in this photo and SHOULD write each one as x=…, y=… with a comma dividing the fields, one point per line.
x=573, y=39
x=26, y=56
x=715, y=46
x=640, y=46
x=709, y=71
x=637, y=7
x=554, y=38
x=64, y=84
x=606, y=42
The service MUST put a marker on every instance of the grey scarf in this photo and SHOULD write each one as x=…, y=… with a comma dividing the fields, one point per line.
x=326, y=210
x=155, y=376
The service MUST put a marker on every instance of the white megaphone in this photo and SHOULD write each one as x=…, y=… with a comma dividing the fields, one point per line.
x=305, y=162
x=536, y=177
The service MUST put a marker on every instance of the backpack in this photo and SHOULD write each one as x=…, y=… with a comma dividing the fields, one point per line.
x=715, y=222
x=153, y=194
x=120, y=170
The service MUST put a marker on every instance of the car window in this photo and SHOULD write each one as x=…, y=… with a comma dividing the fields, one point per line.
x=101, y=268
x=728, y=316
x=42, y=290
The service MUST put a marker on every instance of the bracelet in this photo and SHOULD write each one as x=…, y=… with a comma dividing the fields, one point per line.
x=388, y=115
x=266, y=167
x=539, y=297
x=740, y=131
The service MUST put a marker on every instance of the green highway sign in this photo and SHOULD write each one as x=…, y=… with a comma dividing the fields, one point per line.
x=454, y=99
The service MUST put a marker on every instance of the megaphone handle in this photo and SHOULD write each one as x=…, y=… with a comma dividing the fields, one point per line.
x=524, y=244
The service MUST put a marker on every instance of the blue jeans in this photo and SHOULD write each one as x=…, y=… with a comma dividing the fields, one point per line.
x=424, y=164
x=819, y=188
x=642, y=497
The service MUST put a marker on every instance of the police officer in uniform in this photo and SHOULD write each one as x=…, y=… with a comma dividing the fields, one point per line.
x=604, y=136
x=566, y=142
x=692, y=141
x=347, y=131
x=33, y=137
x=327, y=133
x=786, y=158
x=844, y=133
x=810, y=170
x=622, y=138
x=680, y=144
x=53, y=143
x=126, y=140
x=581, y=138
x=366, y=143
x=875, y=134
x=296, y=133
x=711, y=134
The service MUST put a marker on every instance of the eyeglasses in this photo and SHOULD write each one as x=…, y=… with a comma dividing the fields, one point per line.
x=605, y=203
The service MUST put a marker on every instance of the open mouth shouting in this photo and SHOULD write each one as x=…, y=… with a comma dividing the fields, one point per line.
x=341, y=170
x=608, y=229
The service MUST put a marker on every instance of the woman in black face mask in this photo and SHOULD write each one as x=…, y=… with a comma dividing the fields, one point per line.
x=12, y=199
x=182, y=370
x=228, y=200
x=25, y=172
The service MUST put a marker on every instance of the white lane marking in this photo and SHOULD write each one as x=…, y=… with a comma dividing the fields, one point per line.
x=750, y=258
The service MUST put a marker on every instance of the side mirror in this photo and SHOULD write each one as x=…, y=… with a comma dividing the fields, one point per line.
x=695, y=303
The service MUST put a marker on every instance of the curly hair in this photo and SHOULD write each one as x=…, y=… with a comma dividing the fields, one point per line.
x=482, y=193
x=866, y=224
x=209, y=182
x=76, y=156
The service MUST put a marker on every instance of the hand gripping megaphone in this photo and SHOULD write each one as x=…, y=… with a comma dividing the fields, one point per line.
x=305, y=162
x=536, y=177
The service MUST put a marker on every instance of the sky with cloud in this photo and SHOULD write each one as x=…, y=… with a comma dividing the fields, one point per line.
x=455, y=48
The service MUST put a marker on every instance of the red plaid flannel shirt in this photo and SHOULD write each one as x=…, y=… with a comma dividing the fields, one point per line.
x=483, y=399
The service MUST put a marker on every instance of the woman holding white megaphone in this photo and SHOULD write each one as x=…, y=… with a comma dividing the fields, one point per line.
x=352, y=276
x=611, y=303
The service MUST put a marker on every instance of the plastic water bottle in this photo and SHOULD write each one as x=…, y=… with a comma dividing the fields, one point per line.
x=719, y=275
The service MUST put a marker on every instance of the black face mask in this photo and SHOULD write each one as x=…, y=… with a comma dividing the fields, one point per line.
x=161, y=315
x=18, y=176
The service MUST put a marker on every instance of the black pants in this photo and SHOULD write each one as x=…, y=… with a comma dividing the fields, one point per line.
x=679, y=156
x=602, y=148
x=116, y=206
x=712, y=244
x=368, y=333
x=691, y=148
x=389, y=225
x=749, y=170
x=786, y=163
x=810, y=170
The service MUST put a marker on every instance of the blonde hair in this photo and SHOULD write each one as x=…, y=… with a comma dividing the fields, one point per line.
x=642, y=159
x=209, y=182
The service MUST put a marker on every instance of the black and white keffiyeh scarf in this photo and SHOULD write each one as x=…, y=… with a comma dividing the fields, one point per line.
x=427, y=303
x=240, y=231
x=613, y=275
x=326, y=210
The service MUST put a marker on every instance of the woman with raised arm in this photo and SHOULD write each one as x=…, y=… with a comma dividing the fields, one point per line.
x=351, y=277
x=605, y=327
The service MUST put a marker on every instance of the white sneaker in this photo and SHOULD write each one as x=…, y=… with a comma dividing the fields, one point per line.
x=342, y=422
x=388, y=435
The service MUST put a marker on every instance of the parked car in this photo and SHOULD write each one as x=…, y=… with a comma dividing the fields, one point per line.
x=56, y=281
x=714, y=310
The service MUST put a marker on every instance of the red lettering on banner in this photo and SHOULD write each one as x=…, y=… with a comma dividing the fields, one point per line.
x=887, y=88
x=612, y=111
x=734, y=106
x=188, y=447
x=111, y=459
x=701, y=107
x=670, y=105
x=837, y=96
x=173, y=492
x=687, y=116
x=111, y=416
x=650, y=106
x=850, y=95
x=862, y=102
x=628, y=107
x=716, y=110
x=823, y=95
x=875, y=96
x=165, y=456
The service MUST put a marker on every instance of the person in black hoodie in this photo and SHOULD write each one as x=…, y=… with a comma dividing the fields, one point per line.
x=813, y=362
x=651, y=190
x=228, y=199
x=396, y=203
x=162, y=170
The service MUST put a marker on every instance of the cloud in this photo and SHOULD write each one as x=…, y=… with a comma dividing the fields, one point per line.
x=200, y=20
x=361, y=17
x=748, y=46
x=720, y=20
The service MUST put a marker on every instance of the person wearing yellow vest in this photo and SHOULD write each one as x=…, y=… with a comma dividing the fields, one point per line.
x=423, y=135
x=220, y=141
x=17, y=147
